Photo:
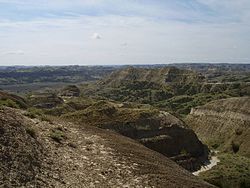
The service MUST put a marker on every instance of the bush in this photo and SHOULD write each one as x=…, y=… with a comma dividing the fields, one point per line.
x=57, y=135
x=9, y=103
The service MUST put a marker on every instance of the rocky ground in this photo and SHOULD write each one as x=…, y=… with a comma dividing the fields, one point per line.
x=55, y=153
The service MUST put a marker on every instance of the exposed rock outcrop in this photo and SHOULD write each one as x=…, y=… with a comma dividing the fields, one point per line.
x=85, y=157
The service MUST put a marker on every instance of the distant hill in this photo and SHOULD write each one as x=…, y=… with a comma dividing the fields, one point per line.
x=27, y=79
x=169, y=88
x=158, y=75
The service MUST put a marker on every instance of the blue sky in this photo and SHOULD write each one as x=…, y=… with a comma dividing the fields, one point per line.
x=90, y=32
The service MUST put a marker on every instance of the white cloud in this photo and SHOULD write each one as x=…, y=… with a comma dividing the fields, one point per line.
x=96, y=36
x=15, y=52
x=124, y=44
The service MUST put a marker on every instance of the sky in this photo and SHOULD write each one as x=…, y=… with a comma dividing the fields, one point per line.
x=108, y=32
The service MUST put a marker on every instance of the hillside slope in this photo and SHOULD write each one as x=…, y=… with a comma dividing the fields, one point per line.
x=36, y=153
x=224, y=123
x=225, y=126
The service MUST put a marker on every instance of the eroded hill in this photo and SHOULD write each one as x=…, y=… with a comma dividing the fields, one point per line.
x=225, y=126
x=224, y=123
x=169, y=88
x=55, y=153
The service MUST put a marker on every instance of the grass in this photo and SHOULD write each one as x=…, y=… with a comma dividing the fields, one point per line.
x=232, y=171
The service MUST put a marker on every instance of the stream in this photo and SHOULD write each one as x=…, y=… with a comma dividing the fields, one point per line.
x=212, y=162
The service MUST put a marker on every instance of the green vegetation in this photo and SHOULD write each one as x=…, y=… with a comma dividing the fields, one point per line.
x=57, y=134
x=9, y=103
x=232, y=171
x=33, y=113
x=181, y=105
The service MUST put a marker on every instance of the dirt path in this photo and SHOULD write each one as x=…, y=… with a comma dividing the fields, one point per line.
x=212, y=162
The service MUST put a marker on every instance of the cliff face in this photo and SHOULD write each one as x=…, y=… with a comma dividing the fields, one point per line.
x=157, y=130
x=224, y=123
x=32, y=155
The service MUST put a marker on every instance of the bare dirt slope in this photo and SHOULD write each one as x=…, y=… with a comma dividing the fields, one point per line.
x=36, y=153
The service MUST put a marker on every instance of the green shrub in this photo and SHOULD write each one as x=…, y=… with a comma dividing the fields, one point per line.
x=57, y=135
x=9, y=103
